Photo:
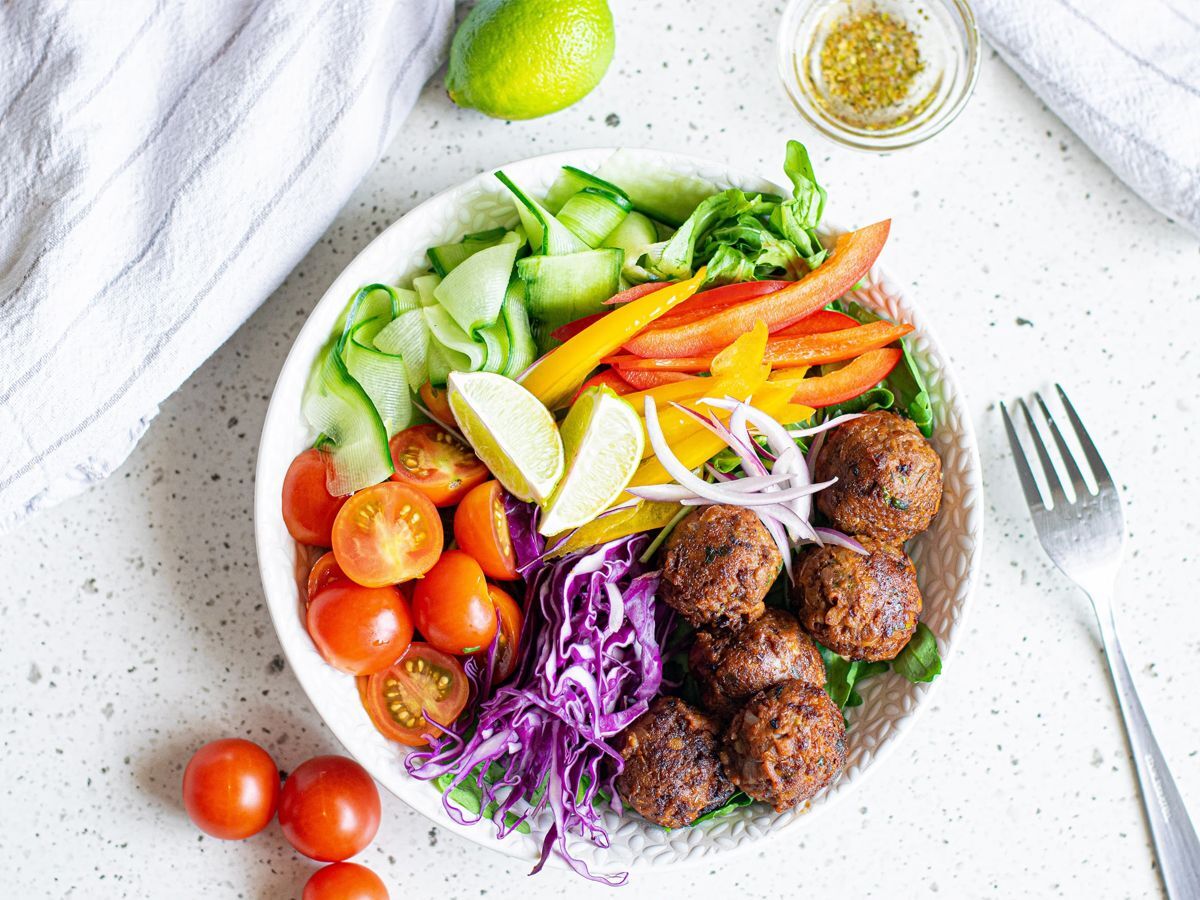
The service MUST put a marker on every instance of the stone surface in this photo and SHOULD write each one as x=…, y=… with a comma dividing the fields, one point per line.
x=133, y=629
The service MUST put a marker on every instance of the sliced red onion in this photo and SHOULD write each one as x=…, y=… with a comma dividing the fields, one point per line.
x=814, y=450
x=674, y=493
x=756, y=498
x=838, y=539
x=718, y=474
x=825, y=426
x=744, y=449
x=775, y=529
x=797, y=526
x=776, y=434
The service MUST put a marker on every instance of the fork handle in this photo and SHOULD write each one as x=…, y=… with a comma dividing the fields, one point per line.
x=1174, y=836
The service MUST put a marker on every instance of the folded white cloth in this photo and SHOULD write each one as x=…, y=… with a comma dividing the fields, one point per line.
x=1124, y=75
x=164, y=166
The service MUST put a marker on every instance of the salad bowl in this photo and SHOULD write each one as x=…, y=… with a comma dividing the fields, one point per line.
x=947, y=556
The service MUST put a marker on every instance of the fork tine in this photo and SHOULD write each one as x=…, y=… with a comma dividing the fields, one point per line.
x=1053, y=482
x=1033, y=496
x=1064, y=451
x=1095, y=463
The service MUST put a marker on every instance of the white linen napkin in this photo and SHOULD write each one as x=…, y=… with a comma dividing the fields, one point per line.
x=164, y=166
x=1124, y=75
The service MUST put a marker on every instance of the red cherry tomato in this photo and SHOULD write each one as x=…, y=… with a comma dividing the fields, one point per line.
x=436, y=463
x=451, y=605
x=360, y=630
x=425, y=682
x=437, y=402
x=324, y=572
x=386, y=534
x=345, y=881
x=231, y=789
x=329, y=808
x=481, y=528
x=308, y=507
x=511, y=621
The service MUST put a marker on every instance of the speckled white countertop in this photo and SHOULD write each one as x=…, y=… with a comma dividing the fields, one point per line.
x=132, y=625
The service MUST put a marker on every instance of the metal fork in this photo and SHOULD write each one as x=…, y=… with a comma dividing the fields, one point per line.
x=1085, y=537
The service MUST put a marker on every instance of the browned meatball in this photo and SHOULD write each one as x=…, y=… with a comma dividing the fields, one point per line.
x=671, y=773
x=786, y=745
x=863, y=607
x=889, y=478
x=732, y=667
x=717, y=566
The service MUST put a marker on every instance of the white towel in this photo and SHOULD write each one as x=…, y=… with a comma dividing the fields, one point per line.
x=164, y=166
x=1124, y=75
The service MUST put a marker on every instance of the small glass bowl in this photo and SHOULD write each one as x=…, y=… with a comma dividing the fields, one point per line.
x=949, y=43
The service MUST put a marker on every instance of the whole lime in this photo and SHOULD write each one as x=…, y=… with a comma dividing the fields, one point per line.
x=520, y=59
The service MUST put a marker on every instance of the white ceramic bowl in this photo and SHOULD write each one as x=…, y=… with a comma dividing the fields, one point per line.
x=947, y=556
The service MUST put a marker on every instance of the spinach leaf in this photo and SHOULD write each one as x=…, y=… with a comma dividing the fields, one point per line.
x=733, y=804
x=842, y=675
x=919, y=660
x=876, y=398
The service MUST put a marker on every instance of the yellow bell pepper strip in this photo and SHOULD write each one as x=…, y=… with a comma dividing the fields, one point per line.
x=646, y=516
x=554, y=378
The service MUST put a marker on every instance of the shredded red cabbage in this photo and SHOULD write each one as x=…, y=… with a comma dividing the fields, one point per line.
x=589, y=663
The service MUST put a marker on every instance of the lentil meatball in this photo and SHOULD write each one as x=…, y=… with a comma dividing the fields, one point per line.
x=672, y=775
x=786, y=745
x=862, y=607
x=717, y=566
x=889, y=477
x=731, y=668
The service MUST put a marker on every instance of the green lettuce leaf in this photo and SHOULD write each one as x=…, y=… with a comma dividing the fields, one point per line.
x=919, y=660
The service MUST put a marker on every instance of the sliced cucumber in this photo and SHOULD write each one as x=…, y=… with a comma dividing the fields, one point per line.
x=407, y=336
x=522, y=350
x=445, y=257
x=439, y=364
x=561, y=289
x=381, y=375
x=461, y=353
x=570, y=182
x=370, y=302
x=633, y=235
x=474, y=292
x=593, y=214
x=336, y=405
x=546, y=234
x=666, y=196
x=495, y=343
x=425, y=285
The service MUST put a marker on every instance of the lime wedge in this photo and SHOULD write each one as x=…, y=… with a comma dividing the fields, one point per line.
x=511, y=431
x=602, y=437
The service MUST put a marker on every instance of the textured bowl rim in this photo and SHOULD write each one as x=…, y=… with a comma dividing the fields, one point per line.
x=268, y=477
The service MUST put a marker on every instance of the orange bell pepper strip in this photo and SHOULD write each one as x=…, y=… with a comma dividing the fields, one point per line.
x=853, y=255
x=846, y=383
x=607, y=378
x=649, y=380
x=820, y=322
x=805, y=350
x=554, y=378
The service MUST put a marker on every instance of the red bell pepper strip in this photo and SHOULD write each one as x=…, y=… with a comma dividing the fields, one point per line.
x=847, y=382
x=703, y=305
x=781, y=352
x=644, y=381
x=853, y=255
x=821, y=321
x=606, y=378
x=570, y=329
x=632, y=293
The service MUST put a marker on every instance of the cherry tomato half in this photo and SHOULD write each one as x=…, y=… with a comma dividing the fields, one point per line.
x=329, y=808
x=308, y=507
x=511, y=621
x=324, y=572
x=345, y=881
x=425, y=679
x=436, y=463
x=481, y=528
x=231, y=789
x=451, y=605
x=386, y=534
x=360, y=630
x=437, y=402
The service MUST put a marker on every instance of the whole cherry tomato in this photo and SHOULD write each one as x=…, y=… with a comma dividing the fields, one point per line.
x=231, y=789
x=329, y=808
